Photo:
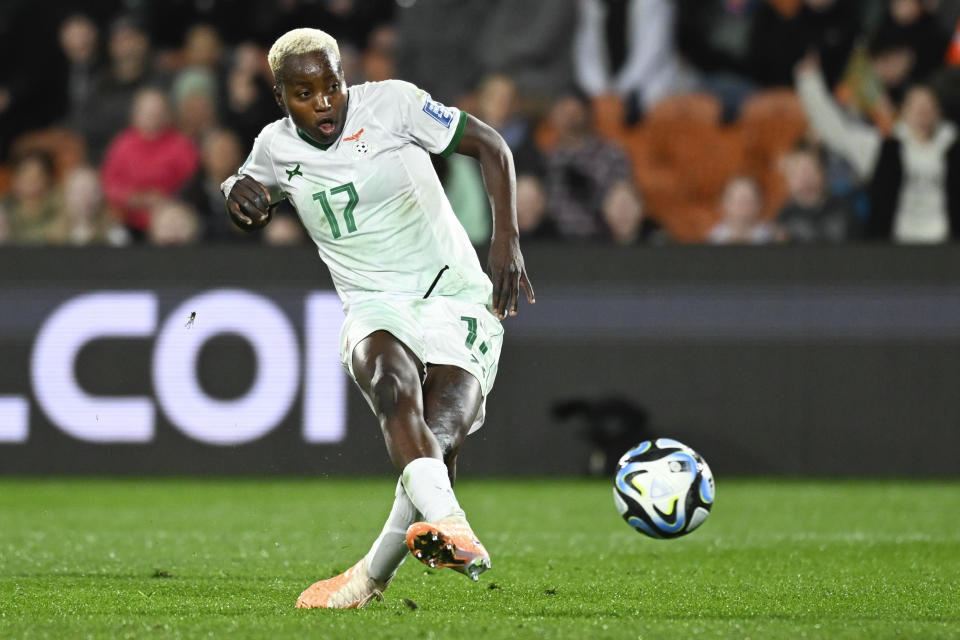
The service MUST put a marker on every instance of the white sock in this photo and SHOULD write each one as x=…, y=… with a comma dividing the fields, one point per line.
x=428, y=485
x=389, y=550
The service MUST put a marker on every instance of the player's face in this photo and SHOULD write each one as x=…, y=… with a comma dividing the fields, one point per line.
x=313, y=92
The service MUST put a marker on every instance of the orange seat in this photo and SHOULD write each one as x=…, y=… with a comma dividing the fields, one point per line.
x=774, y=191
x=686, y=107
x=609, y=120
x=67, y=147
x=786, y=8
x=678, y=122
x=682, y=159
x=709, y=162
x=772, y=122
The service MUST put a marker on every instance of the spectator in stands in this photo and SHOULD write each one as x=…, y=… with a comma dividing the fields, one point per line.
x=778, y=41
x=914, y=173
x=713, y=37
x=864, y=88
x=34, y=201
x=248, y=104
x=84, y=218
x=194, y=94
x=79, y=41
x=581, y=170
x=532, y=220
x=462, y=180
x=221, y=154
x=741, y=207
x=946, y=81
x=626, y=47
x=202, y=48
x=380, y=57
x=497, y=106
x=130, y=69
x=147, y=162
x=173, y=223
x=463, y=184
x=909, y=46
x=623, y=215
x=528, y=41
x=811, y=213
x=433, y=52
x=195, y=87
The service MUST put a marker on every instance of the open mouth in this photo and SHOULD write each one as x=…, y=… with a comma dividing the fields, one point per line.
x=327, y=126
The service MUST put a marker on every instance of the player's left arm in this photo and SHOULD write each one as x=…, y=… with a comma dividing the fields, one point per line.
x=505, y=263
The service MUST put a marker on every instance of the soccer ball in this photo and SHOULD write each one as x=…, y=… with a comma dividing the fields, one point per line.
x=663, y=488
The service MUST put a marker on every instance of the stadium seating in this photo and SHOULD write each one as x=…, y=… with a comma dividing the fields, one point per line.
x=771, y=121
x=609, y=119
x=683, y=155
x=67, y=148
x=786, y=8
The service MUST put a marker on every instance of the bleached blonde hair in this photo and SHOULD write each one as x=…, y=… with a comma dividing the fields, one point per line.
x=297, y=41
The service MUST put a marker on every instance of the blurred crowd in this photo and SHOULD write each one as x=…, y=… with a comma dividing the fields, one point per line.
x=631, y=121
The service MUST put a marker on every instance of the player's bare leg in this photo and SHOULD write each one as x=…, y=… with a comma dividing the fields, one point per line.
x=452, y=398
x=446, y=406
x=451, y=401
x=390, y=374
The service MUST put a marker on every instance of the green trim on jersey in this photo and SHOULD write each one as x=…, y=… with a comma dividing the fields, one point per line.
x=455, y=140
x=312, y=142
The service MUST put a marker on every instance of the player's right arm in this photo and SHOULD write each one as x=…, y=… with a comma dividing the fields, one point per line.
x=248, y=203
x=254, y=189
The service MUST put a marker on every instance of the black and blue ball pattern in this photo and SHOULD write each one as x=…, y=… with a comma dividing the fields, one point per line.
x=663, y=488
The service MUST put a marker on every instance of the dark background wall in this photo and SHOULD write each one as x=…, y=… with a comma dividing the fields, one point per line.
x=766, y=360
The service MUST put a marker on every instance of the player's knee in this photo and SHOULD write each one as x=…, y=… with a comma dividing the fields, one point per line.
x=391, y=390
x=449, y=443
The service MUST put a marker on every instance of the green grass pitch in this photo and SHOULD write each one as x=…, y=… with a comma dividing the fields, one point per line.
x=227, y=558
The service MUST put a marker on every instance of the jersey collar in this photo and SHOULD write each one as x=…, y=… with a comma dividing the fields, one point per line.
x=311, y=141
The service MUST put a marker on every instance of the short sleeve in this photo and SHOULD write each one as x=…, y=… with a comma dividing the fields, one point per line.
x=259, y=165
x=432, y=125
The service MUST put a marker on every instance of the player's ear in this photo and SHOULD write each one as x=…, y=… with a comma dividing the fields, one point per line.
x=278, y=96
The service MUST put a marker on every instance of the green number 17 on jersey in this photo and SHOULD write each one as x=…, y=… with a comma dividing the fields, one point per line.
x=331, y=217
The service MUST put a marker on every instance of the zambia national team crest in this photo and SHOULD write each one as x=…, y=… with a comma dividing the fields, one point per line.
x=361, y=148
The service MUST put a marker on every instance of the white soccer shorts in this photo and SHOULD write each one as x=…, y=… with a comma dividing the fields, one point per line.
x=438, y=330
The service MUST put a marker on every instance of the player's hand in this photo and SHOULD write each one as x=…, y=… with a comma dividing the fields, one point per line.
x=249, y=204
x=508, y=274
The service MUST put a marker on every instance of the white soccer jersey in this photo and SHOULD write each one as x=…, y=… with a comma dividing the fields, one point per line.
x=372, y=201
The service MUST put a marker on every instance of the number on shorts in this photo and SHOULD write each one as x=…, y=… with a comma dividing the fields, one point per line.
x=472, y=334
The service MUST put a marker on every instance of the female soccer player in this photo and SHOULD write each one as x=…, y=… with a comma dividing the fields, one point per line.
x=422, y=333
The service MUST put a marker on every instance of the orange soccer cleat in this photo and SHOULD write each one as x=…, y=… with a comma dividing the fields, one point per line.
x=352, y=589
x=449, y=543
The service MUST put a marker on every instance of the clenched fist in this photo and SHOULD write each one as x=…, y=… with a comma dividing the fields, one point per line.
x=248, y=204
